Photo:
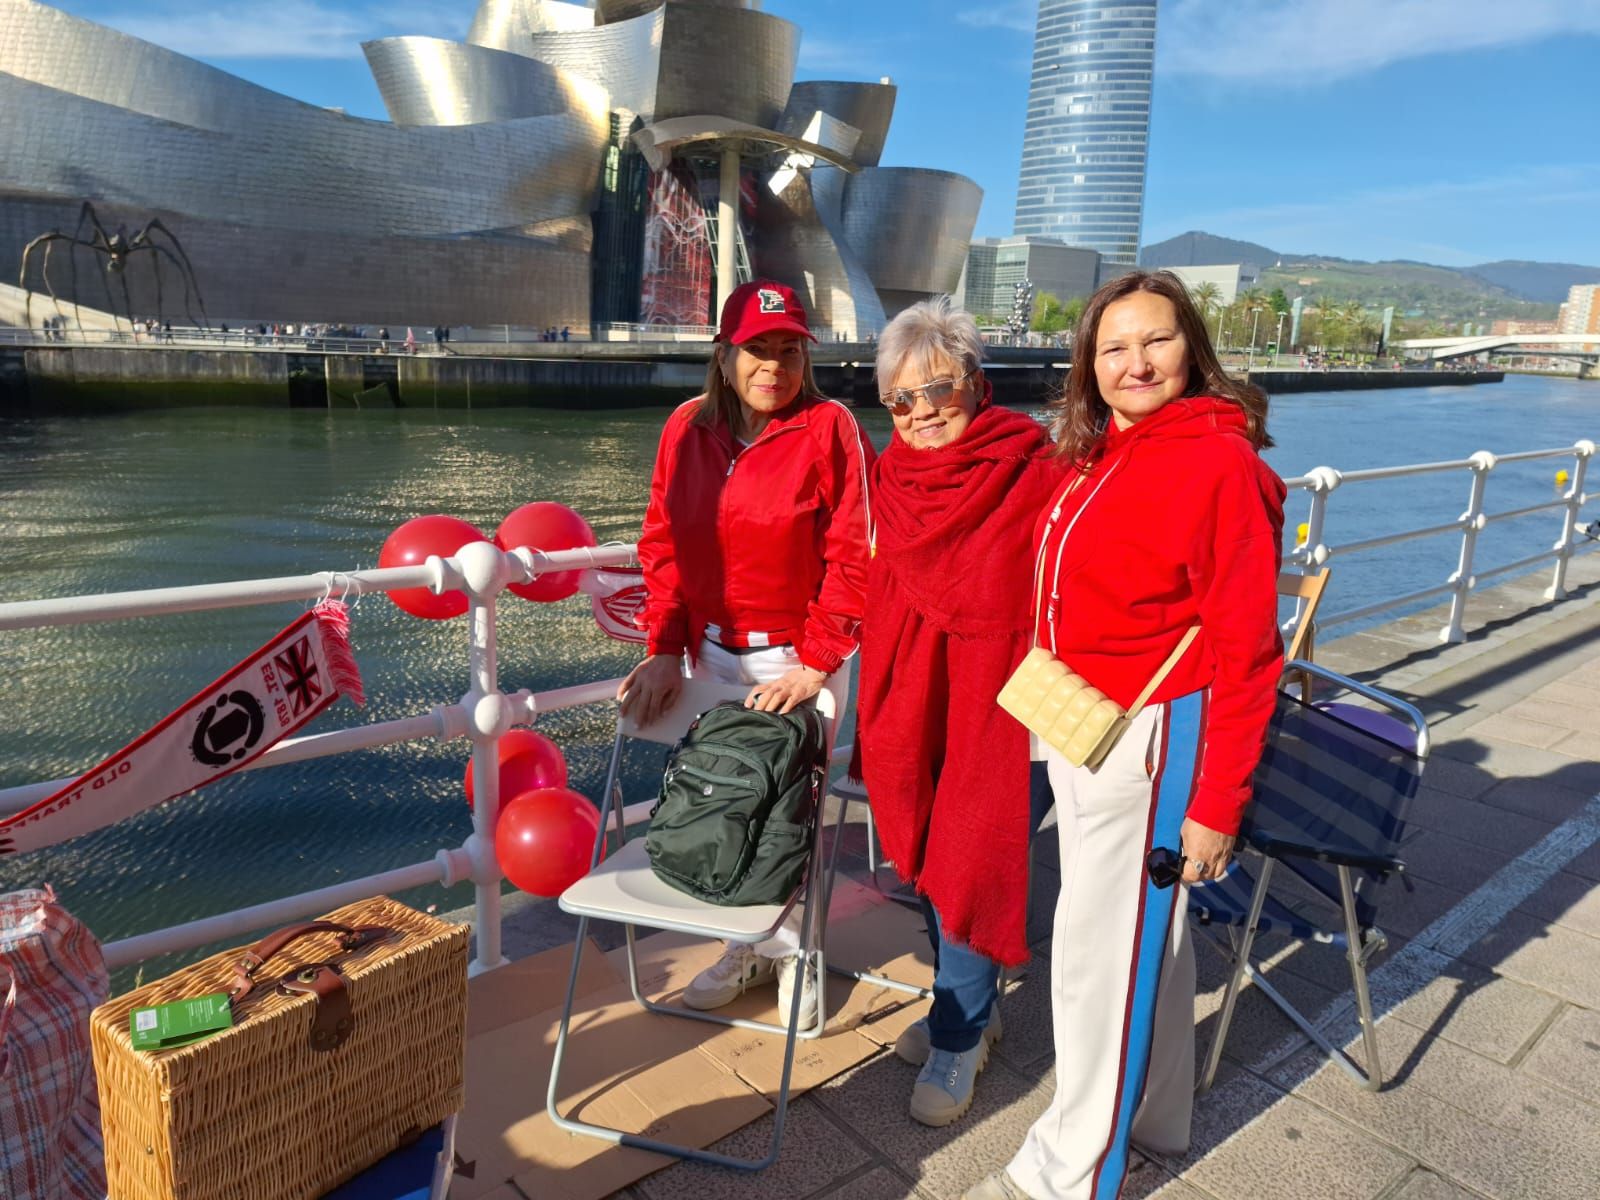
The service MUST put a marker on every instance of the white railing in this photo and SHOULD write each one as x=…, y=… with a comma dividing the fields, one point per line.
x=190, y=338
x=1322, y=482
x=485, y=712
x=624, y=331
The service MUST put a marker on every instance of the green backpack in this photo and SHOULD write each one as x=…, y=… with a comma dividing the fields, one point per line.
x=741, y=790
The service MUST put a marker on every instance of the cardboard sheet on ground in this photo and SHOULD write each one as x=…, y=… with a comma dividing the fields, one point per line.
x=678, y=1080
x=502, y=996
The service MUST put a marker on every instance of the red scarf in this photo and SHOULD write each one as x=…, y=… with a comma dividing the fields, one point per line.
x=948, y=616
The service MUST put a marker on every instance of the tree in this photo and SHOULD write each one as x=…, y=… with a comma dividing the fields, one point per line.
x=1327, y=325
x=1279, y=302
x=1206, y=297
x=1253, y=323
x=1053, y=315
x=1358, y=324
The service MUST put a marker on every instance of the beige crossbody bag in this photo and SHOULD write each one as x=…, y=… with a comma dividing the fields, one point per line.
x=1059, y=706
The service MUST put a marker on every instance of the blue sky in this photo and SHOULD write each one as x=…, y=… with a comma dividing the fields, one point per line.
x=1450, y=131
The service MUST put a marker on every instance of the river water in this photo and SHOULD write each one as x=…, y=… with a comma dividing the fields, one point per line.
x=135, y=500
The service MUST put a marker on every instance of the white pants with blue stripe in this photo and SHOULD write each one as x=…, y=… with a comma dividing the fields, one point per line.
x=1121, y=964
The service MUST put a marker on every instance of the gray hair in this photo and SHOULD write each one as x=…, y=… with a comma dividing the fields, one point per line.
x=926, y=333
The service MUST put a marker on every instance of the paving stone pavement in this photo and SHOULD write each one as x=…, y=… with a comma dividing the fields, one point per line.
x=1489, y=994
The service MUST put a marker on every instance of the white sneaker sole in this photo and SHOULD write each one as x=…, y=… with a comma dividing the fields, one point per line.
x=704, y=999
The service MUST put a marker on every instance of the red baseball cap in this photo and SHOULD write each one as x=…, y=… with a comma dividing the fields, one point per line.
x=762, y=306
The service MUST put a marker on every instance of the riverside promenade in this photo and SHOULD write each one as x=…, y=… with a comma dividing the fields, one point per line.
x=1488, y=994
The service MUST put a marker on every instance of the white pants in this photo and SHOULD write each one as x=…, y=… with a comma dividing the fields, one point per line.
x=718, y=664
x=1121, y=964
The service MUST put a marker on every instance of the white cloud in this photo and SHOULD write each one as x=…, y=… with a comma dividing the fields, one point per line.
x=1395, y=222
x=1258, y=40
x=298, y=28
x=1020, y=15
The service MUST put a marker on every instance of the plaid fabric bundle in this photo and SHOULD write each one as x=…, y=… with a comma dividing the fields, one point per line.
x=51, y=975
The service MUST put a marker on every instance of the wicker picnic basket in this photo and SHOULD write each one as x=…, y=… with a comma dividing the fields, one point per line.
x=309, y=1086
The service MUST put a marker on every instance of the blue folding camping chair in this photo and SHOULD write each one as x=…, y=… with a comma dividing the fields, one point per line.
x=1332, y=796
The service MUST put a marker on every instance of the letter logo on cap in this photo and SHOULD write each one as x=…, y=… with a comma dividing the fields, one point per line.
x=771, y=301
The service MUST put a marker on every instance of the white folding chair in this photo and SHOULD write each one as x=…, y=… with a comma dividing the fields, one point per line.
x=624, y=889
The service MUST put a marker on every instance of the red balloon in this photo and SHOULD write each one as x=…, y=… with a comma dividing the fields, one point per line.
x=411, y=545
x=545, y=839
x=545, y=525
x=528, y=761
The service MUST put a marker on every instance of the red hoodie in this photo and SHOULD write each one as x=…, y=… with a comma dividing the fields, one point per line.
x=1186, y=529
x=768, y=542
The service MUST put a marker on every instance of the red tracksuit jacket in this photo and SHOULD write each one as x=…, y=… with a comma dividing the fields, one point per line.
x=1187, y=529
x=768, y=542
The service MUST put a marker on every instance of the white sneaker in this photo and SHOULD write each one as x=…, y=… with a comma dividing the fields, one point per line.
x=725, y=980
x=788, y=968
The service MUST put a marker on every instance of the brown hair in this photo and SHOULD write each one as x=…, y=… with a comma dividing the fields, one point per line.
x=720, y=402
x=1081, y=412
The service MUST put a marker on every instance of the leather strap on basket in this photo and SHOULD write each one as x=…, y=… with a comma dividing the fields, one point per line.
x=332, y=1022
x=351, y=937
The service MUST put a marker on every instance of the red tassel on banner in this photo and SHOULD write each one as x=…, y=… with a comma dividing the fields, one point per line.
x=333, y=618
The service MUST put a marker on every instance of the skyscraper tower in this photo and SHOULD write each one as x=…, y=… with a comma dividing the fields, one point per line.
x=1083, y=152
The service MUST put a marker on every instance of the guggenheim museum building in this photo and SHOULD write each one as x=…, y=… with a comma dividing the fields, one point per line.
x=565, y=165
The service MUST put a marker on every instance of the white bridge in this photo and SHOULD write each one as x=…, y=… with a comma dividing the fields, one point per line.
x=1582, y=346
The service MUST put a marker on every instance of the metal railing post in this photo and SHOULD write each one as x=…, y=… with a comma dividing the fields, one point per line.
x=1472, y=523
x=1321, y=482
x=482, y=568
x=1582, y=451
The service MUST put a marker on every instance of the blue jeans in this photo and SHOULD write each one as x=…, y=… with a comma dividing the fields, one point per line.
x=964, y=981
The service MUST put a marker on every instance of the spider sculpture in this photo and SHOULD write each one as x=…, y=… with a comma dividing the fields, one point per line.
x=118, y=250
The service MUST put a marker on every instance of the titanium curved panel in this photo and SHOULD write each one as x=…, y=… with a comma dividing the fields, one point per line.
x=623, y=58
x=661, y=141
x=606, y=11
x=301, y=167
x=536, y=277
x=867, y=106
x=910, y=227
x=725, y=62
x=794, y=243
x=58, y=50
x=497, y=20
x=429, y=81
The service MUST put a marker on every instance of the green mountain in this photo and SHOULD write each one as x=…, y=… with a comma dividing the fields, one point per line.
x=1196, y=249
x=1526, y=290
x=1414, y=289
x=1546, y=282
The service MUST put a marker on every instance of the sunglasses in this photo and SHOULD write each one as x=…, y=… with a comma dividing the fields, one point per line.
x=1165, y=866
x=938, y=392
